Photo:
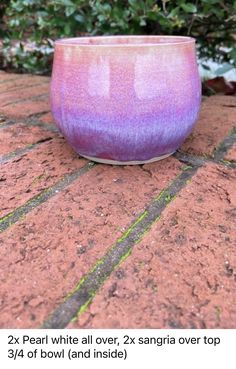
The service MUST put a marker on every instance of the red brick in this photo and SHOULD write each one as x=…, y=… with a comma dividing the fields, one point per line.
x=231, y=154
x=215, y=123
x=47, y=118
x=21, y=82
x=9, y=98
x=182, y=274
x=46, y=254
x=5, y=77
x=16, y=137
x=222, y=100
x=25, y=177
x=25, y=109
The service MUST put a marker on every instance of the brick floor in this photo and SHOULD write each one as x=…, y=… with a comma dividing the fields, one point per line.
x=86, y=245
x=182, y=274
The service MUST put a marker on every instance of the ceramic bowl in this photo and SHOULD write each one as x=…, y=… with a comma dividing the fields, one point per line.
x=125, y=99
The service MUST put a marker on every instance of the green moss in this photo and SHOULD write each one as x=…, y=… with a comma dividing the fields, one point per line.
x=74, y=319
x=126, y=234
x=75, y=289
x=226, y=161
x=9, y=215
x=161, y=194
x=125, y=256
x=84, y=306
x=186, y=167
x=38, y=179
x=99, y=262
x=168, y=198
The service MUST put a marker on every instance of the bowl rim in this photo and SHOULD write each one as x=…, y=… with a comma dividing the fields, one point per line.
x=85, y=41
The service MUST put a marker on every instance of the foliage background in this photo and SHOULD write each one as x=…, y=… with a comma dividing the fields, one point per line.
x=28, y=27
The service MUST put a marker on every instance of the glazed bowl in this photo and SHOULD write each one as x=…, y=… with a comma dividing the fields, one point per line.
x=125, y=99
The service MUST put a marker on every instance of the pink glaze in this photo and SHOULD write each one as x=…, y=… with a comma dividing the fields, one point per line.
x=125, y=98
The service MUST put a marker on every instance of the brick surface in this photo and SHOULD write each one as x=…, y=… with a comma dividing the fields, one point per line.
x=215, y=122
x=18, y=136
x=9, y=98
x=58, y=242
x=27, y=108
x=47, y=118
x=5, y=77
x=182, y=274
x=21, y=82
x=222, y=100
x=20, y=95
x=26, y=176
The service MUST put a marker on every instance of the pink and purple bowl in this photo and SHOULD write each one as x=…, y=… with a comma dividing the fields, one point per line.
x=125, y=99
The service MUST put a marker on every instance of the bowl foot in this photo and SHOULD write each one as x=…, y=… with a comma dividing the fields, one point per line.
x=115, y=162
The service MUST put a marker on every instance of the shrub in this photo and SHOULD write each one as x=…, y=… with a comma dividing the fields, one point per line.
x=212, y=22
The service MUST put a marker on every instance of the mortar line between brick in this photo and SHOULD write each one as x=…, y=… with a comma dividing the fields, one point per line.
x=30, y=121
x=18, y=101
x=14, y=216
x=19, y=88
x=20, y=152
x=46, y=126
x=218, y=155
x=224, y=146
x=10, y=79
x=78, y=300
x=199, y=160
x=8, y=124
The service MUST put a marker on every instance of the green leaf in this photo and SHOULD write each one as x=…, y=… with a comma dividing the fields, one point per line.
x=67, y=29
x=233, y=54
x=143, y=22
x=101, y=17
x=211, y=2
x=64, y=2
x=79, y=18
x=224, y=69
x=189, y=8
x=70, y=10
x=174, y=12
x=206, y=67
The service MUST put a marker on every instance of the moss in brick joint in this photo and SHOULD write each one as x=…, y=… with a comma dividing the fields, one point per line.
x=186, y=167
x=77, y=287
x=81, y=309
x=231, y=163
x=84, y=306
x=21, y=216
x=129, y=230
x=163, y=194
x=9, y=215
x=101, y=261
x=123, y=258
x=38, y=179
x=83, y=279
x=93, y=293
x=166, y=196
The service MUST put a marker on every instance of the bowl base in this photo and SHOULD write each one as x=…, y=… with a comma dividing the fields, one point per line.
x=115, y=162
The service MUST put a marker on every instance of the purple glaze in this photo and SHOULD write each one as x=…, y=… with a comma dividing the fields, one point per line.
x=125, y=98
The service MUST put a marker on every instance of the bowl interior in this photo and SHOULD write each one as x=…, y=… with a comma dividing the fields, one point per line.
x=125, y=40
